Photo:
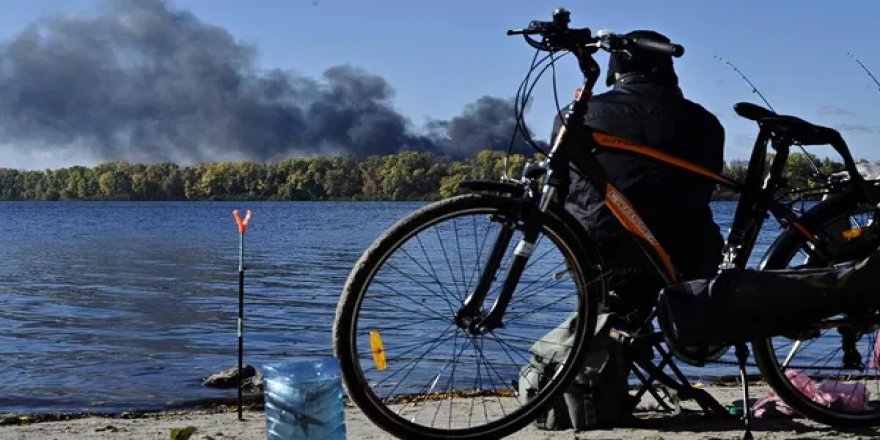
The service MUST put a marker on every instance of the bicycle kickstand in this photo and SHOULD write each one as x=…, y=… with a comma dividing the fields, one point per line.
x=742, y=355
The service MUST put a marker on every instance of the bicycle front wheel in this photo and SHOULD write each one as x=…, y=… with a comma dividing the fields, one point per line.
x=418, y=374
x=836, y=353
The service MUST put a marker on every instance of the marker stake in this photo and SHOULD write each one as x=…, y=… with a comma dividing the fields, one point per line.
x=242, y=228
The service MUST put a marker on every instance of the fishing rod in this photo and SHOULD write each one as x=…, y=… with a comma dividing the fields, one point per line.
x=816, y=171
x=873, y=78
x=749, y=82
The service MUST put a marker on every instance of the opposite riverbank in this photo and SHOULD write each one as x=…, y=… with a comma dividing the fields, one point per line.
x=221, y=423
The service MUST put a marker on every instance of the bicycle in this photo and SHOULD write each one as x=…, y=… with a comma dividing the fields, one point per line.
x=440, y=313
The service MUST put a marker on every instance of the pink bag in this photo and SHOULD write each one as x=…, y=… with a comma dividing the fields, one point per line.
x=850, y=396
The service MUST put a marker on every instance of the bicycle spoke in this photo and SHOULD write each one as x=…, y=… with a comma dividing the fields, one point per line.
x=433, y=277
x=479, y=249
x=479, y=351
x=795, y=347
x=408, y=298
x=409, y=367
x=528, y=340
x=467, y=287
x=525, y=295
x=451, y=382
x=531, y=283
x=433, y=315
x=422, y=285
x=411, y=364
x=415, y=346
x=523, y=361
x=433, y=272
x=520, y=316
x=460, y=296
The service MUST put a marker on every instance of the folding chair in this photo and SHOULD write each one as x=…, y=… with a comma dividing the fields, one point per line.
x=652, y=364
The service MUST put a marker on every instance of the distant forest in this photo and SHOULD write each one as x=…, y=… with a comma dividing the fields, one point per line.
x=406, y=175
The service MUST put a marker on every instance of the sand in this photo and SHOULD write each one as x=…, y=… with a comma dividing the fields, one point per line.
x=222, y=423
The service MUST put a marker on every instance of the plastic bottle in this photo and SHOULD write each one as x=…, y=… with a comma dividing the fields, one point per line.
x=304, y=400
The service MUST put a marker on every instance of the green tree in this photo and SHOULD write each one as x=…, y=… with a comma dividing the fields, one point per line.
x=107, y=184
x=411, y=175
x=371, y=177
x=343, y=179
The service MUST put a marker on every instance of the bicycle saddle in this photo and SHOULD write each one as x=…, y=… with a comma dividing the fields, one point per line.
x=788, y=128
x=752, y=111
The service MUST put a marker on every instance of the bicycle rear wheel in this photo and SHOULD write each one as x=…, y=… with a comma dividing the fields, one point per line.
x=823, y=353
x=411, y=368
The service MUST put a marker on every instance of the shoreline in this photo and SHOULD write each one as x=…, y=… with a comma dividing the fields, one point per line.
x=220, y=422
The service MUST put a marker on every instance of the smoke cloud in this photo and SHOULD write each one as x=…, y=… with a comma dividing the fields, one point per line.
x=145, y=82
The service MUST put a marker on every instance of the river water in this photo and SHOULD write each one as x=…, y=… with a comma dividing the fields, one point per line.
x=111, y=306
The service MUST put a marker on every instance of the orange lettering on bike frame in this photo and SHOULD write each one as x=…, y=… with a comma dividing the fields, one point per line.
x=629, y=218
x=607, y=140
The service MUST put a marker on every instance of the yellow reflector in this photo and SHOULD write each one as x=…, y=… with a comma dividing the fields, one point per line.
x=852, y=233
x=378, y=350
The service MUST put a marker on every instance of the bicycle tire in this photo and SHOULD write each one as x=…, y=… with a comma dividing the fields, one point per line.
x=833, y=215
x=368, y=280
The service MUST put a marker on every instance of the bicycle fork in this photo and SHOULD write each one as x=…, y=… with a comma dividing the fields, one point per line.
x=471, y=315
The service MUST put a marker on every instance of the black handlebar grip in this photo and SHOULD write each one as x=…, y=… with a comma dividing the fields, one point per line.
x=675, y=50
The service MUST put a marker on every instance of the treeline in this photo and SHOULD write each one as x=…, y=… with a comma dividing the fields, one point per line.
x=407, y=175
x=799, y=172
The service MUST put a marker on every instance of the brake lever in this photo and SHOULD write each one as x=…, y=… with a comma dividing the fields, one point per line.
x=536, y=44
x=610, y=42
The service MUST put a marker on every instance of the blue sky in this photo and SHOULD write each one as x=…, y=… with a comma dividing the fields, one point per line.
x=439, y=56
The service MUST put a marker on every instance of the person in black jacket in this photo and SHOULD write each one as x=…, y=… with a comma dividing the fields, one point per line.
x=646, y=106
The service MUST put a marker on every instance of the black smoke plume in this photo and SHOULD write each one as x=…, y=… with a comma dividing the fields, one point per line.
x=146, y=82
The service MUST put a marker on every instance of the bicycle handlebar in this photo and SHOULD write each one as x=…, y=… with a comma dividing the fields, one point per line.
x=521, y=32
x=558, y=36
x=675, y=50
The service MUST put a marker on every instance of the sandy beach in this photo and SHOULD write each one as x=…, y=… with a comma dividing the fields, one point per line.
x=222, y=423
